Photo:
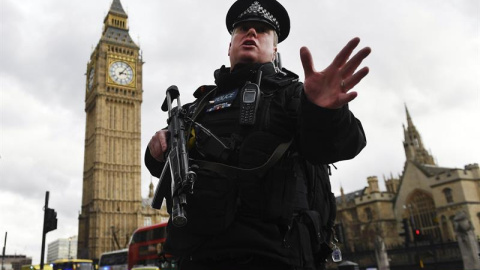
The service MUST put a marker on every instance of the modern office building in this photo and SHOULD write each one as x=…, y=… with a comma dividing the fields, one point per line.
x=63, y=248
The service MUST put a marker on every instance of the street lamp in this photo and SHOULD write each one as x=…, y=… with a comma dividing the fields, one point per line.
x=69, y=244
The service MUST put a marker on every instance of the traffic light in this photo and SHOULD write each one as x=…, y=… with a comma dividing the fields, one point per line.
x=406, y=231
x=418, y=235
x=50, y=222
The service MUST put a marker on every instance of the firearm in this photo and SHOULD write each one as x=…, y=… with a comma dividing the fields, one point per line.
x=182, y=175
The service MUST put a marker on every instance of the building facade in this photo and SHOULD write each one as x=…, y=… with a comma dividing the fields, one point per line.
x=425, y=196
x=63, y=248
x=14, y=262
x=112, y=206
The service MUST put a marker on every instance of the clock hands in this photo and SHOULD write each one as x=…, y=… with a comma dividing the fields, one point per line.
x=121, y=72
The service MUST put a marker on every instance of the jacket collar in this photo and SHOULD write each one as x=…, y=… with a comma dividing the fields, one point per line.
x=226, y=78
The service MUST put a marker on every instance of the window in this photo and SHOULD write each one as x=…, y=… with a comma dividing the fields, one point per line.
x=448, y=195
x=147, y=221
x=422, y=213
x=368, y=213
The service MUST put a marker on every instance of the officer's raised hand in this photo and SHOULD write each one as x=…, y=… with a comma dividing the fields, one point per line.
x=158, y=145
x=330, y=88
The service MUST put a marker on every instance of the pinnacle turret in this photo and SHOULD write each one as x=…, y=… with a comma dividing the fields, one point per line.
x=414, y=149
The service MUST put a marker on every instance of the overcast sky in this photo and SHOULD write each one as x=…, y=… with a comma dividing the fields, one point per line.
x=425, y=54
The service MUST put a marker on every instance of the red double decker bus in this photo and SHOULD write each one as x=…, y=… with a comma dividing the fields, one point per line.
x=146, y=247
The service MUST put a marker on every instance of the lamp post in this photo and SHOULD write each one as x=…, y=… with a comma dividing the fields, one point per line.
x=69, y=243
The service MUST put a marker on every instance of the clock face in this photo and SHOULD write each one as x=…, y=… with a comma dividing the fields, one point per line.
x=121, y=72
x=90, y=78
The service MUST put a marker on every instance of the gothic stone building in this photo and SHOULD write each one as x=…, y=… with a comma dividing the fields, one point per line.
x=112, y=206
x=426, y=195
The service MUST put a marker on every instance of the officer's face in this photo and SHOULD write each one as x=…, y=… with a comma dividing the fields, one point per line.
x=252, y=42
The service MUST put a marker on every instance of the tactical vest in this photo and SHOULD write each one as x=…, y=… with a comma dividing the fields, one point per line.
x=285, y=189
x=232, y=158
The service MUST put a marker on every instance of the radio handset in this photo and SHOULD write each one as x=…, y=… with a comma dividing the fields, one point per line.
x=249, y=103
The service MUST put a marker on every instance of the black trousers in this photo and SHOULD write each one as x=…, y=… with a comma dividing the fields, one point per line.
x=248, y=263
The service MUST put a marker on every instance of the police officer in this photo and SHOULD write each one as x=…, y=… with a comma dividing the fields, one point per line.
x=244, y=135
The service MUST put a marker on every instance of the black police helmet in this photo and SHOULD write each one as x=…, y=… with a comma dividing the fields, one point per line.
x=270, y=12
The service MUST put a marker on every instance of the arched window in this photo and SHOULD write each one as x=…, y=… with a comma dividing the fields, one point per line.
x=448, y=195
x=422, y=212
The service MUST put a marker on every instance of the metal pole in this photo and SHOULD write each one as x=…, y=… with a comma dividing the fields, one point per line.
x=3, y=253
x=417, y=253
x=69, y=242
x=43, y=232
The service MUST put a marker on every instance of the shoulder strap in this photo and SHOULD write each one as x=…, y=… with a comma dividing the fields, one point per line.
x=198, y=109
x=202, y=103
x=282, y=78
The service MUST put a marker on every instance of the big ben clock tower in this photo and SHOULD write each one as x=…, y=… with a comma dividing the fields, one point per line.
x=111, y=200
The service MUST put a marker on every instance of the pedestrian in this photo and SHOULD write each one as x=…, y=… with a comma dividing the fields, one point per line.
x=245, y=135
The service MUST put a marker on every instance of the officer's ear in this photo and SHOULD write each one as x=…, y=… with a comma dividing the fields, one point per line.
x=229, y=48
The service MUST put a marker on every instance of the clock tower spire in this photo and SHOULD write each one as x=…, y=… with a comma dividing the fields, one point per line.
x=111, y=199
x=116, y=17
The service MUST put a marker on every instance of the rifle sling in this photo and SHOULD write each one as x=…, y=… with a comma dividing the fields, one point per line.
x=237, y=172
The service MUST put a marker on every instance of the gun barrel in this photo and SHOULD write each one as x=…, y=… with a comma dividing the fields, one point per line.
x=179, y=216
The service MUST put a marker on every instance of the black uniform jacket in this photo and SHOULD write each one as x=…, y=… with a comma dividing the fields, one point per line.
x=241, y=217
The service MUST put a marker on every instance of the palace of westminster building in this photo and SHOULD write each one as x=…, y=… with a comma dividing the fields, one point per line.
x=426, y=195
x=112, y=207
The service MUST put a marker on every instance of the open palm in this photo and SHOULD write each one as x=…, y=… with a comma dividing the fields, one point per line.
x=330, y=88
